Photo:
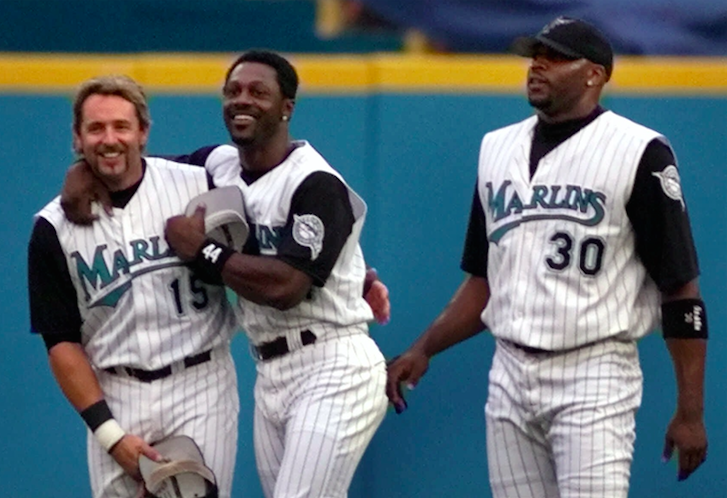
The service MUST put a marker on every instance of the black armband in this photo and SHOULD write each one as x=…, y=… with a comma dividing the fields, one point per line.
x=96, y=414
x=105, y=428
x=210, y=260
x=684, y=319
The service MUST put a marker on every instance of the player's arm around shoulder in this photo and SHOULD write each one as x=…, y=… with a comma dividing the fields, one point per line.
x=82, y=189
x=459, y=321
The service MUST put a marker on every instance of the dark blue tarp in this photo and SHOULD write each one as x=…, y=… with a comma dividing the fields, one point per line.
x=654, y=27
x=172, y=26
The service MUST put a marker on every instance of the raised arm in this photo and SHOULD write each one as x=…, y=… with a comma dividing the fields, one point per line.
x=81, y=189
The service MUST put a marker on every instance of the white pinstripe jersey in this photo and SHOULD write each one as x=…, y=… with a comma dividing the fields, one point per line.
x=562, y=265
x=339, y=303
x=140, y=305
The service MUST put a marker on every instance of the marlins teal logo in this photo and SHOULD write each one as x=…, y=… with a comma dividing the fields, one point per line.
x=545, y=202
x=99, y=275
x=268, y=238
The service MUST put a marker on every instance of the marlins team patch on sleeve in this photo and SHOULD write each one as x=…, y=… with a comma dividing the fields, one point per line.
x=670, y=183
x=308, y=231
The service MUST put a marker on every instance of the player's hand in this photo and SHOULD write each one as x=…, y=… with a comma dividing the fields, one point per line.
x=142, y=492
x=689, y=438
x=81, y=189
x=378, y=299
x=186, y=234
x=127, y=451
x=407, y=368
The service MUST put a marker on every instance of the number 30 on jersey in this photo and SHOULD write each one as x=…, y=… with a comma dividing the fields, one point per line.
x=589, y=253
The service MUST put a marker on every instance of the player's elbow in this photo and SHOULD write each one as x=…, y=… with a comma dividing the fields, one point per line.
x=290, y=292
x=282, y=305
x=285, y=299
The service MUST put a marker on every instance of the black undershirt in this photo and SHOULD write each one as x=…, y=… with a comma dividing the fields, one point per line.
x=548, y=136
x=53, y=307
x=53, y=304
x=664, y=240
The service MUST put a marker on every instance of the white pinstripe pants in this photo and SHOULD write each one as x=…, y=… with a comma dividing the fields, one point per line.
x=562, y=425
x=316, y=410
x=201, y=402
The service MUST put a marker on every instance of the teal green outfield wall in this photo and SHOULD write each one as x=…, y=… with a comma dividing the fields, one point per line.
x=413, y=158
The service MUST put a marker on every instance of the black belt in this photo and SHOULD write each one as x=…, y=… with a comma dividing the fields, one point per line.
x=160, y=373
x=279, y=347
x=535, y=351
x=528, y=349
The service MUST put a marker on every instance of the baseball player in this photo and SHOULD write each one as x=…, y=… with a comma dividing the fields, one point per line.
x=320, y=389
x=138, y=343
x=314, y=254
x=578, y=236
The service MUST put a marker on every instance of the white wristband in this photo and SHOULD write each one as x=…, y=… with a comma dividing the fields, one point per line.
x=109, y=433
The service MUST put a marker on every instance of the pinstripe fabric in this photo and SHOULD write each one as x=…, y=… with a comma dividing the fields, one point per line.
x=267, y=203
x=157, y=313
x=564, y=277
x=142, y=308
x=565, y=307
x=562, y=425
x=316, y=408
x=195, y=402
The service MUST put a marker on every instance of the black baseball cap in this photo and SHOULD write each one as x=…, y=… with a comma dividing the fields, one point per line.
x=571, y=37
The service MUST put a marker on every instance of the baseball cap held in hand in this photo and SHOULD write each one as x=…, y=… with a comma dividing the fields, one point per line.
x=225, y=219
x=571, y=37
x=182, y=472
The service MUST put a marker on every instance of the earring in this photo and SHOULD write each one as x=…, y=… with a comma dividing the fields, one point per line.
x=285, y=118
x=589, y=83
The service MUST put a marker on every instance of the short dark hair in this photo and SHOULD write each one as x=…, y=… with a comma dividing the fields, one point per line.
x=287, y=77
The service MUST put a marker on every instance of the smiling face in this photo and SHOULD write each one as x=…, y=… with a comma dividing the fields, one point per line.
x=111, y=139
x=255, y=111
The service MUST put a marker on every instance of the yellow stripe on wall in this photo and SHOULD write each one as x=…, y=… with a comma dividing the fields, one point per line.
x=671, y=74
x=62, y=73
x=352, y=74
